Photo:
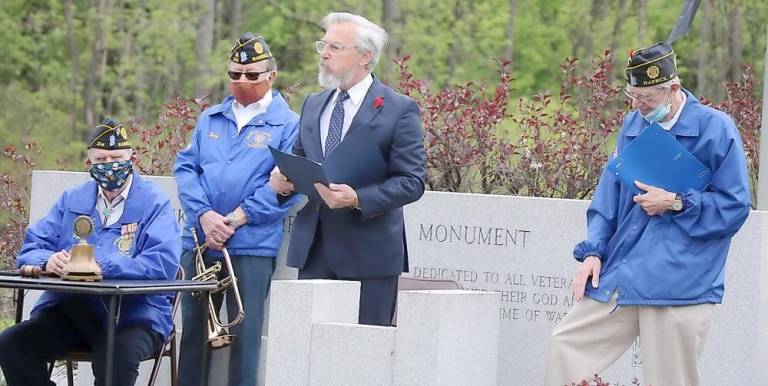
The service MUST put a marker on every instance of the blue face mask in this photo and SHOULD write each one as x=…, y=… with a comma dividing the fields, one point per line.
x=659, y=112
x=112, y=176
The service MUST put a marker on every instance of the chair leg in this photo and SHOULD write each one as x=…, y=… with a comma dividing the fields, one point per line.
x=174, y=361
x=70, y=374
x=155, y=367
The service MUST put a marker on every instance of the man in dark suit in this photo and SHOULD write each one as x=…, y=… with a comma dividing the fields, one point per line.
x=356, y=234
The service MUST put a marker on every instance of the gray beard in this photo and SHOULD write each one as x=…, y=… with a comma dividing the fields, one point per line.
x=333, y=81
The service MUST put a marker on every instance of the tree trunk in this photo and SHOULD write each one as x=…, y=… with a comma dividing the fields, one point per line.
x=705, y=40
x=642, y=23
x=620, y=16
x=237, y=8
x=734, y=43
x=96, y=67
x=509, y=42
x=596, y=16
x=74, y=57
x=392, y=21
x=204, y=45
x=455, y=43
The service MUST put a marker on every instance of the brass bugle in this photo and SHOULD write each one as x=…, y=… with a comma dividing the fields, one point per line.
x=218, y=331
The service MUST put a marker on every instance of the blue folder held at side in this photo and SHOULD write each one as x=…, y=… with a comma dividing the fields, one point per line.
x=656, y=158
x=356, y=161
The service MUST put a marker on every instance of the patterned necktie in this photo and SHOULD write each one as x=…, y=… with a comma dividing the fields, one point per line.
x=335, y=125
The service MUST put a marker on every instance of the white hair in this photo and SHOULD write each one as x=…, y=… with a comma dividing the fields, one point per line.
x=669, y=83
x=369, y=37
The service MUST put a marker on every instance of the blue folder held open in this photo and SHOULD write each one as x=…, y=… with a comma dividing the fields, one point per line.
x=356, y=161
x=656, y=158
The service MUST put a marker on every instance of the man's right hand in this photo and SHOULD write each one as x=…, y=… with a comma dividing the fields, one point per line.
x=279, y=183
x=590, y=267
x=57, y=262
x=216, y=230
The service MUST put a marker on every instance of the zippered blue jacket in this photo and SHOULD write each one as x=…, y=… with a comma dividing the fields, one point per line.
x=153, y=253
x=221, y=170
x=673, y=258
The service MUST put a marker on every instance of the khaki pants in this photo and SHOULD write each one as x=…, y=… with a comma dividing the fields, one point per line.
x=594, y=334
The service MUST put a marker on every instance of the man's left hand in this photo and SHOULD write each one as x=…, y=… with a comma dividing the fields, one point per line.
x=337, y=195
x=655, y=200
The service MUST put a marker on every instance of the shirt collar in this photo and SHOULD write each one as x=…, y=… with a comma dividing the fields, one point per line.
x=123, y=195
x=358, y=91
x=258, y=106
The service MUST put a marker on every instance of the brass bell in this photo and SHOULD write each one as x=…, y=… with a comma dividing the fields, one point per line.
x=82, y=266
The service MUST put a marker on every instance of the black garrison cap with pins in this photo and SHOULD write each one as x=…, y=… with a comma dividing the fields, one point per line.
x=250, y=48
x=651, y=66
x=109, y=135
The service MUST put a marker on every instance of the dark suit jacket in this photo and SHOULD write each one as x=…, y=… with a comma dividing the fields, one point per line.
x=369, y=242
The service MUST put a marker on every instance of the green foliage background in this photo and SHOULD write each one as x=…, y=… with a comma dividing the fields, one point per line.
x=51, y=53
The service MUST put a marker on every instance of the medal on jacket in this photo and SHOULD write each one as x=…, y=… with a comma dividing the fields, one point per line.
x=125, y=241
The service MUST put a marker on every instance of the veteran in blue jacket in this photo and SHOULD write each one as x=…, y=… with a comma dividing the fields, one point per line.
x=656, y=260
x=136, y=236
x=222, y=180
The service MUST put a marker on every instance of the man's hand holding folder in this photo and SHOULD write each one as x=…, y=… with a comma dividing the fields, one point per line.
x=356, y=162
x=656, y=167
x=655, y=200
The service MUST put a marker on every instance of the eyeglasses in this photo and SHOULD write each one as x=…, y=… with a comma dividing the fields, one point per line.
x=334, y=48
x=643, y=98
x=234, y=75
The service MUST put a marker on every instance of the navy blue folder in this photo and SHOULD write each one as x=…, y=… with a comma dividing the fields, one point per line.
x=356, y=161
x=656, y=158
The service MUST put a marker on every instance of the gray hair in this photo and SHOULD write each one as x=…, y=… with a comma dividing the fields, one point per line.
x=669, y=83
x=272, y=64
x=370, y=37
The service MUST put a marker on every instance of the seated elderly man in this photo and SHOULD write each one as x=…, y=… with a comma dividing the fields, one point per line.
x=135, y=237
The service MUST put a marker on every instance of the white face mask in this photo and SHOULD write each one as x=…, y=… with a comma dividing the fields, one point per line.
x=660, y=111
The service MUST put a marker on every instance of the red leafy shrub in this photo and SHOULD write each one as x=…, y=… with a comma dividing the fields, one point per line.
x=598, y=381
x=156, y=146
x=14, y=199
x=460, y=127
x=549, y=147
x=744, y=105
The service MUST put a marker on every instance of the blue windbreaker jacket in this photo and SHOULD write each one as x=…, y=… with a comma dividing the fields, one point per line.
x=674, y=258
x=154, y=252
x=221, y=170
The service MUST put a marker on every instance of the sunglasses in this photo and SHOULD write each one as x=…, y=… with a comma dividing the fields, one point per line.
x=234, y=75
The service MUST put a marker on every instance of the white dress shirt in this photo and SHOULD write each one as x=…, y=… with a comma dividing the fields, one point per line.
x=110, y=212
x=351, y=106
x=244, y=114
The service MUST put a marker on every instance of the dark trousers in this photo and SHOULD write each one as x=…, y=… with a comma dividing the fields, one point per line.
x=27, y=348
x=378, y=295
x=253, y=278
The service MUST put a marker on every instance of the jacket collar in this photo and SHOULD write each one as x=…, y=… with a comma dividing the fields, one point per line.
x=686, y=126
x=84, y=201
x=274, y=116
